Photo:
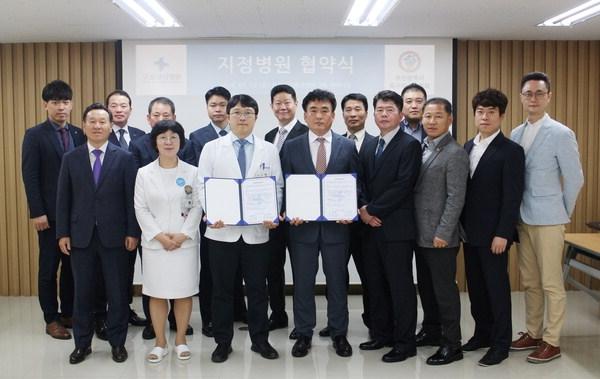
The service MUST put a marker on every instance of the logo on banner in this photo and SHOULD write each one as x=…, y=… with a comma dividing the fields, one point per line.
x=161, y=70
x=409, y=61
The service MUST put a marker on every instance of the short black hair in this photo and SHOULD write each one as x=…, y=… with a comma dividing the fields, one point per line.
x=388, y=95
x=319, y=95
x=536, y=75
x=244, y=101
x=162, y=127
x=217, y=91
x=57, y=90
x=96, y=106
x=440, y=101
x=161, y=100
x=283, y=88
x=119, y=92
x=358, y=97
x=413, y=87
x=490, y=97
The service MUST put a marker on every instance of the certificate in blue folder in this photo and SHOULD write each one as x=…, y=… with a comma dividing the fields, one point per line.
x=321, y=197
x=247, y=201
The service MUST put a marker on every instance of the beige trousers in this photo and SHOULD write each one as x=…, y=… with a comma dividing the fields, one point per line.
x=540, y=265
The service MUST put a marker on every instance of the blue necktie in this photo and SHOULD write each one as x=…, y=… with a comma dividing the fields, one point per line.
x=379, y=150
x=242, y=156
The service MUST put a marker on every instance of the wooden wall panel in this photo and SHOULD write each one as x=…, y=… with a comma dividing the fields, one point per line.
x=24, y=70
x=574, y=68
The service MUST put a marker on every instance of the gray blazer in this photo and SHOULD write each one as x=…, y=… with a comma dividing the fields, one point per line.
x=553, y=174
x=440, y=193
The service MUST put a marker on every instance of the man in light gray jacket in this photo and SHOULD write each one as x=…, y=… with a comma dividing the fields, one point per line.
x=439, y=199
x=553, y=179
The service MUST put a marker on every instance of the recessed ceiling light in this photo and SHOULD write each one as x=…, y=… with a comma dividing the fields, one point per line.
x=149, y=13
x=575, y=15
x=369, y=12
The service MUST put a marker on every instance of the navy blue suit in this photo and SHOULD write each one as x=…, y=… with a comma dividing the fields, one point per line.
x=277, y=245
x=491, y=209
x=388, y=184
x=197, y=140
x=97, y=218
x=329, y=238
x=42, y=155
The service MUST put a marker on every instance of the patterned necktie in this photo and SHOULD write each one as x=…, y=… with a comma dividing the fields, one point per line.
x=380, y=146
x=64, y=134
x=321, y=156
x=122, y=141
x=282, y=133
x=97, y=168
x=242, y=156
x=223, y=132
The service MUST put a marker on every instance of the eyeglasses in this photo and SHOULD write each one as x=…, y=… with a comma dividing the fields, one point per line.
x=240, y=114
x=165, y=139
x=537, y=94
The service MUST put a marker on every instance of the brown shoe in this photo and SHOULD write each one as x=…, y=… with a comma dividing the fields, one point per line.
x=544, y=353
x=56, y=330
x=67, y=322
x=525, y=342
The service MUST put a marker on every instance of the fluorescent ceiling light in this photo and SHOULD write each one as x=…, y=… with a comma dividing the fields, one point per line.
x=369, y=12
x=576, y=15
x=149, y=13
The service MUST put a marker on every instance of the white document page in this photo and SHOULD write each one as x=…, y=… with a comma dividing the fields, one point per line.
x=259, y=200
x=339, y=197
x=222, y=201
x=303, y=197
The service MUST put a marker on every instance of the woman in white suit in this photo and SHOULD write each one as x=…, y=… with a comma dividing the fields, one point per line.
x=169, y=211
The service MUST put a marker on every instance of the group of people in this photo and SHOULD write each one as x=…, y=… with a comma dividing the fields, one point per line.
x=98, y=195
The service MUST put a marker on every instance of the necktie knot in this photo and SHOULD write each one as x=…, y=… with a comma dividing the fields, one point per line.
x=97, y=153
x=352, y=137
x=223, y=132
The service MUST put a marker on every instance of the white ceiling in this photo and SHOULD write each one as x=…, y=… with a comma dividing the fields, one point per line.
x=99, y=20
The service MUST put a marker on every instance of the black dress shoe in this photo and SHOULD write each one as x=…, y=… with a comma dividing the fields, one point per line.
x=221, y=353
x=101, y=330
x=188, y=331
x=398, y=354
x=119, y=354
x=341, y=346
x=79, y=354
x=301, y=347
x=136, y=320
x=373, y=345
x=265, y=350
x=294, y=334
x=148, y=333
x=493, y=357
x=325, y=332
x=277, y=323
x=444, y=355
x=207, y=330
x=424, y=338
x=474, y=344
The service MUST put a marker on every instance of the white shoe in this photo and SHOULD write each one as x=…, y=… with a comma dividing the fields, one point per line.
x=157, y=354
x=183, y=352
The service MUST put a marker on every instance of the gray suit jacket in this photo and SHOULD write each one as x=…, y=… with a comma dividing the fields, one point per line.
x=440, y=193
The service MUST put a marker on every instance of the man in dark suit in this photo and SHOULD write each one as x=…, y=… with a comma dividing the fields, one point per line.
x=439, y=198
x=355, y=110
x=43, y=148
x=489, y=220
x=96, y=226
x=390, y=166
x=160, y=108
x=284, y=105
x=319, y=152
x=216, y=107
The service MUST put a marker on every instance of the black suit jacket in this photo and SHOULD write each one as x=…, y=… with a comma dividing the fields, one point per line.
x=296, y=159
x=298, y=129
x=40, y=165
x=199, y=138
x=143, y=152
x=494, y=193
x=367, y=138
x=108, y=207
x=388, y=184
x=134, y=134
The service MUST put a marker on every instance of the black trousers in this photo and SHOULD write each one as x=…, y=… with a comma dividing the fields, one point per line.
x=114, y=264
x=50, y=259
x=276, y=274
x=205, y=290
x=436, y=280
x=392, y=294
x=356, y=247
x=226, y=259
x=489, y=292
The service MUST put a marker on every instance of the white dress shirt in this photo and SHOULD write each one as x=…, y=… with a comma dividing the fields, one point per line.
x=287, y=127
x=530, y=131
x=479, y=147
x=314, y=145
x=360, y=137
x=93, y=157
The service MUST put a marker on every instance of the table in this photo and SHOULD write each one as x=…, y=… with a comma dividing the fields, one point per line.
x=586, y=244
